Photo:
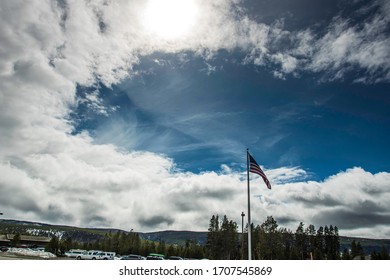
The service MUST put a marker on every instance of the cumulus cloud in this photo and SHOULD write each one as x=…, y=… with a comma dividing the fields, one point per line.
x=351, y=199
x=50, y=173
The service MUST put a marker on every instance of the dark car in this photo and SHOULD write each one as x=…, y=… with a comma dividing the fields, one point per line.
x=175, y=258
x=4, y=249
x=132, y=257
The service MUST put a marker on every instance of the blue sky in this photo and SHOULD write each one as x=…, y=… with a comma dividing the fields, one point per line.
x=203, y=119
x=137, y=114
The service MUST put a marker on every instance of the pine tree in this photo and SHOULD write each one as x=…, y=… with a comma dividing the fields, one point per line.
x=354, y=251
x=229, y=239
x=67, y=244
x=269, y=245
x=222, y=239
x=301, y=242
x=311, y=236
x=327, y=238
x=346, y=254
x=53, y=245
x=384, y=254
x=357, y=250
x=15, y=240
x=287, y=243
x=336, y=243
x=332, y=243
x=319, y=244
x=161, y=247
x=213, y=241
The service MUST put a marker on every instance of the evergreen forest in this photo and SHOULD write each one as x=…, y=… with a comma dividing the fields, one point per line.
x=225, y=242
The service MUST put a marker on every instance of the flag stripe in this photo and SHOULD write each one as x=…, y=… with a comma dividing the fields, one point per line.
x=255, y=168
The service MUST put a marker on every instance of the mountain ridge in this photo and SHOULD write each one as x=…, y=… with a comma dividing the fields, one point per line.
x=81, y=234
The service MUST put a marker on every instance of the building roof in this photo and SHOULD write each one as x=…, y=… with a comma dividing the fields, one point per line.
x=9, y=237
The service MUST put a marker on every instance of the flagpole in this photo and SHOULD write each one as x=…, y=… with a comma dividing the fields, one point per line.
x=249, y=210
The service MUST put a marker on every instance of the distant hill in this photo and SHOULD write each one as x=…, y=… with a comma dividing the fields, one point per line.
x=369, y=245
x=176, y=237
x=84, y=235
x=90, y=235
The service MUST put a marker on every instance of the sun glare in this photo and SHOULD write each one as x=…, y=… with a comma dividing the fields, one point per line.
x=170, y=19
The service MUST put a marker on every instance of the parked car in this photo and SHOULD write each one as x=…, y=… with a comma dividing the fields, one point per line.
x=133, y=257
x=89, y=255
x=154, y=256
x=74, y=253
x=4, y=249
x=105, y=256
x=175, y=258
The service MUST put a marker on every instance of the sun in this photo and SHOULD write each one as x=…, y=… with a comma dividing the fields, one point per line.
x=170, y=19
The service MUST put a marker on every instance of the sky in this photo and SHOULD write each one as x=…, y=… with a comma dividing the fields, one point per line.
x=137, y=114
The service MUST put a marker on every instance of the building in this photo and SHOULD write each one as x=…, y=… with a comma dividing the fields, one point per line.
x=25, y=240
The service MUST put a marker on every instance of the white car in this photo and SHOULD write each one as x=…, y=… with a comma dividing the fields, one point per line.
x=106, y=256
x=89, y=255
x=74, y=253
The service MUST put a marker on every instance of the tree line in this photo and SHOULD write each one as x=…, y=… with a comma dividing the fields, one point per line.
x=271, y=242
x=225, y=242
x=125, y=243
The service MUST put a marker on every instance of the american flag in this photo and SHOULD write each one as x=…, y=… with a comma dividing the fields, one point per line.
x=255, y=168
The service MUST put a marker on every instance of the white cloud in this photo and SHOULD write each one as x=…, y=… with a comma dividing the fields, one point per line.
x=288, y=64
x=353, y=200
x=346, y=46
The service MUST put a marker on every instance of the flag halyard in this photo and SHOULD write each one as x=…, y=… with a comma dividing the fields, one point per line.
x=255, y=168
